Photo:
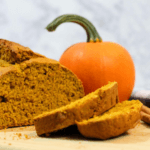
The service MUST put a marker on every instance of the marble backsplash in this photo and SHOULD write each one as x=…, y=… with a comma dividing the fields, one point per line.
x=126, y=22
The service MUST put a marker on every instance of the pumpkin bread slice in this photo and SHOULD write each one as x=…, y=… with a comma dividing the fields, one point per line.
x=33, y=87
x=112, y=123
x=89, y=106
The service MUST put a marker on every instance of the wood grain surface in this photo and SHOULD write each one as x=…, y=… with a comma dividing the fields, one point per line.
x=25, y=138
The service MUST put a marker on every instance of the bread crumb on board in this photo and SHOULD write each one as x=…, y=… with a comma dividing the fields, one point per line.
x=18, y=133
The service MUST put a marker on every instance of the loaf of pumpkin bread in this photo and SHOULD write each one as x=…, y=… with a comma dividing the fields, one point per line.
x=31, y=84
x=89, y=106
x=113, y=122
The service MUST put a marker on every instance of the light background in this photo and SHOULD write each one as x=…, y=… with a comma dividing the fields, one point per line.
x=126, y=22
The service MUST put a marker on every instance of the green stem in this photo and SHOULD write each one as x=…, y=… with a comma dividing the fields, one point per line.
x=92, y=34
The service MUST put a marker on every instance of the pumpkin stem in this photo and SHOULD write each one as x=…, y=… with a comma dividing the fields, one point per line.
x=92, y=34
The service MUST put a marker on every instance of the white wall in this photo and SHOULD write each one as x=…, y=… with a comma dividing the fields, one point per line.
x=126, y=22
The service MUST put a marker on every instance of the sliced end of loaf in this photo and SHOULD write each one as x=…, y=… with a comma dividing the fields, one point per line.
x=33, y=87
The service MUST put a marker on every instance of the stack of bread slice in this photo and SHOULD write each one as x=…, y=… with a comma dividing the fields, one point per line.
x=97, y=115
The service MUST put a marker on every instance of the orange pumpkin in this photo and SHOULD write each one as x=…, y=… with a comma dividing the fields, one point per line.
x=96, y=62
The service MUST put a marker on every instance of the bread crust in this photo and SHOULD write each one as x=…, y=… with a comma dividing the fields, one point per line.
x=15, y=53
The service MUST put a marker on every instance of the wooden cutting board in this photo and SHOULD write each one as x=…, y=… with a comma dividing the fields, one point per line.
x=25, y=138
